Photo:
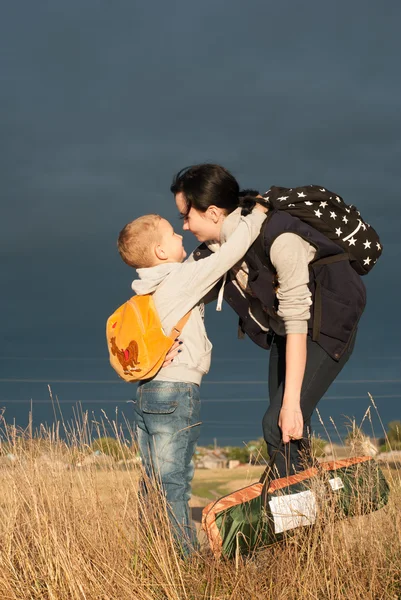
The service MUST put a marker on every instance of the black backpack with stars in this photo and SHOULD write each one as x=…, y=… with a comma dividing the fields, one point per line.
x=329, y=214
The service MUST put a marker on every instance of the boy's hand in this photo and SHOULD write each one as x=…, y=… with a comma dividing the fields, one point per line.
x=172, y=353
x=261, y=207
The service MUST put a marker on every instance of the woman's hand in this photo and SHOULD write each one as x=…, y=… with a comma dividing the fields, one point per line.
x=172, y=353
x=291, y=423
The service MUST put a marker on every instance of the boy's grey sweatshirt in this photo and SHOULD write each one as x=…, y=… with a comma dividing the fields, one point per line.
x=179, y=287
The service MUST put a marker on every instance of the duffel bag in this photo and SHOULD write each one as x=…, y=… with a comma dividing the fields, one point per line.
x=260, y=514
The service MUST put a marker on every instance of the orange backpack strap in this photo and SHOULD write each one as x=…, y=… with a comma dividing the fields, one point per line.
x=176, y=331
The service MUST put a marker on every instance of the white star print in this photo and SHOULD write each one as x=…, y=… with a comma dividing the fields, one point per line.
x=348, y=210
x=282, y=198
x=338, y=232
x=308, y=203
x=367, y=244
x=378, y=246
x=338, y=198
x=322, y=190
x=364, y=226
x=318, y=213
x=301, y=195
x=345, y=219
x=290, y=205
x=333, y=215
x=352, y=241
x=323, y=204
x=367, y=261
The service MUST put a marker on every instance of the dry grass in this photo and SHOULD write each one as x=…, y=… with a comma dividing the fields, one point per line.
x=70, y=533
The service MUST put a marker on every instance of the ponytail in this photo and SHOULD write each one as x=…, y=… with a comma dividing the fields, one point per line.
x=247, y=201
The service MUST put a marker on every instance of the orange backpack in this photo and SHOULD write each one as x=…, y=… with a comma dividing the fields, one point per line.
x=136, y=341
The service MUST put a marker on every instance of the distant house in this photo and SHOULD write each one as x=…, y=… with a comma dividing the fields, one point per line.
x=211, y=459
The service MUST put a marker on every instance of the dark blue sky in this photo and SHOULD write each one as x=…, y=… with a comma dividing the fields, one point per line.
x=101, y=102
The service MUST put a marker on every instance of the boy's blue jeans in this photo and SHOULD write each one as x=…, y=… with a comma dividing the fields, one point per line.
x=167, y=419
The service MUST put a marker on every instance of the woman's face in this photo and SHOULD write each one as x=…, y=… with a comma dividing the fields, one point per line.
x=206, y=225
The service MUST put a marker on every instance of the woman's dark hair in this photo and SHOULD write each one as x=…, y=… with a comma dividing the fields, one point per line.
x=207, y=184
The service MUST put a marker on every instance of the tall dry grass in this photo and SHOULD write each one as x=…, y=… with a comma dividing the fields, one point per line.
x=82, y=533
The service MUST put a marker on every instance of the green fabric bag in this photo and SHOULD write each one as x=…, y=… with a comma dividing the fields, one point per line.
x=260, y=514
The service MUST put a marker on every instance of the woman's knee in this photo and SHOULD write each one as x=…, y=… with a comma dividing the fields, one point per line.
x=271, y=430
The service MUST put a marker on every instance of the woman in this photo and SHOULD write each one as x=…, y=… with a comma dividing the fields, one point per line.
x=273, y=291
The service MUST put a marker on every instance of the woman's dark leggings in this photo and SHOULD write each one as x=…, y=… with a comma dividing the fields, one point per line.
x=321, y=370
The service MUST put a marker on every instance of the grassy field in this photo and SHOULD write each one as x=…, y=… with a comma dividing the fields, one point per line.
x=71, y=533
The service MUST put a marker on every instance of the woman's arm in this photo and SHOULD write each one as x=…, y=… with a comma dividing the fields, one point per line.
x=290, y=419
x=291, y=255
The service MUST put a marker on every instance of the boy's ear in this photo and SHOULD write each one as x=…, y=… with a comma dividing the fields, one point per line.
x=160, y=252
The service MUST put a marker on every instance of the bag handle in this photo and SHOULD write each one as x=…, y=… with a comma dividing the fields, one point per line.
x=267, y=475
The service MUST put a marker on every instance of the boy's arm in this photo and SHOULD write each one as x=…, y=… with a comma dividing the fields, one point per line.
x=195, y=279
x=212, y=295
x=200, y=276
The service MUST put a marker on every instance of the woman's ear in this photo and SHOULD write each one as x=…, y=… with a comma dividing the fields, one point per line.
x=215, y=213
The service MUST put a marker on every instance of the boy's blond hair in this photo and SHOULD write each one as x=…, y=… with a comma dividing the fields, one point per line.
x=135, y=242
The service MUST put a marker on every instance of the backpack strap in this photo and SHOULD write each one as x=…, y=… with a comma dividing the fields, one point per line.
x=261, y=253
x=329, y=260
x=317, y=318
x=176, y=331
x=259, y=245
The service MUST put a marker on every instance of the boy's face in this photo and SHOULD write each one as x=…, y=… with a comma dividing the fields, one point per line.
x=171, y=242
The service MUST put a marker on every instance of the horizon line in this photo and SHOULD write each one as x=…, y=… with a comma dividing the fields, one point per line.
x=213, y=382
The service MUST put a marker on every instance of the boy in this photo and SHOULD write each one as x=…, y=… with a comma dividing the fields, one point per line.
x=167, y=407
